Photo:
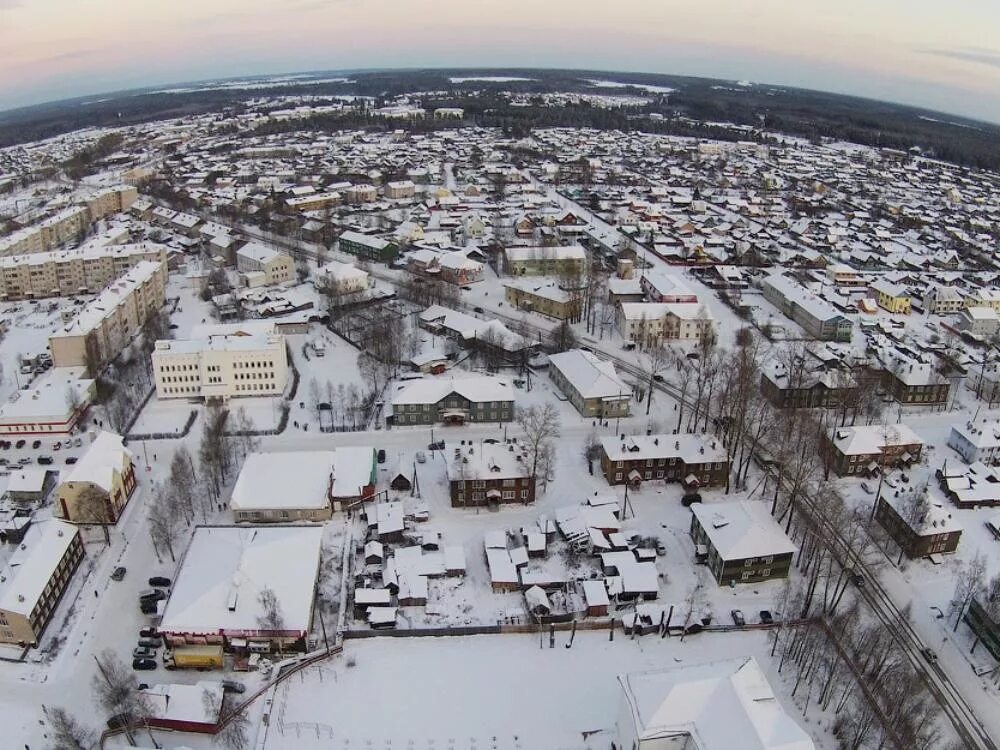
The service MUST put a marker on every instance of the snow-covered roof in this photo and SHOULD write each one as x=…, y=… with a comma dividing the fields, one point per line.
x=470, y=327
x=98, y=309
x=721, y=705
x=48, y=396
x=692, y=449
x=30, y=568
x=225, y=568
x=364, y=239
x=739, y=529
x=475, y=389
x=258, y=252
x=590, y=376
x=188, y=703
x=26, y=480
x=292, y=480
x=544, y=252
x=106, y=455
x=338, y=271
x=353, y=469
x=486, y=461
x=935, y=518
x=864, y=440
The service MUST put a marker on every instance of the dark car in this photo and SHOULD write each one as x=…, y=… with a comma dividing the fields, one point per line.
x=658, y=378
x=233, y=686
x=690, y=498
x=36, y=444
x=148, y=633
x=438, y=446
x=381, y=455
x=738, y=619
x=929, y=655
x=19, y=444
x=150, y=643
x=152, y=595
x=143, y=664
x=765, y=617
x=118, y=573
x=147, y=608
x=159, y=581
x=71, y=459
x=477, y=309
x=45, y=460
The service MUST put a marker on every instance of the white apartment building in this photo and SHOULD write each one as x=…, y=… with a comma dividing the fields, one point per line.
x=84, y=270
x=263, y=265
x=343, y=278
x=220, y=367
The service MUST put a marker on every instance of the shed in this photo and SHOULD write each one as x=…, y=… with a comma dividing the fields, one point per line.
x=596, y=595
x=400, y=482
x=537, y=601
x=454, y=560
x=382, y=618
x=374, y=552
x=536, y=544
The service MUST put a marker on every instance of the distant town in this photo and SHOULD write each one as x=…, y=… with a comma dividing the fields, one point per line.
x=317, y=409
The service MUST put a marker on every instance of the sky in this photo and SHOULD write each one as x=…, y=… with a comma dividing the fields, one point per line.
x=941, y=55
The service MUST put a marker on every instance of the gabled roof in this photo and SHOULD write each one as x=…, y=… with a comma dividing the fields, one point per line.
x=590, y=376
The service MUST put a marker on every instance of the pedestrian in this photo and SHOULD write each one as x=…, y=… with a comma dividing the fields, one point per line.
x=95, y=593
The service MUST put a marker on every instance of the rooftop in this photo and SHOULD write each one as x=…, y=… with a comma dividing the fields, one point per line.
x=31, y=566
x=740, y=529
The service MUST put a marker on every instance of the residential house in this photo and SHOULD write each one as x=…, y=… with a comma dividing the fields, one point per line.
x=894, y=298
x=920, y=528
x=368, y=247
x=806, y=388
x=453, y=401
x=869, y=449
x=269, y=265
x=489, y=474
x=976, y=441
x=546, y=297
x=695, y=460
x=591, y=384
x=743, y=543
x=816, y=316
x=555, y=260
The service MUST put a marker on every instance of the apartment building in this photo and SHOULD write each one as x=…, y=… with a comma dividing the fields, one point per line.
x=557, y=260
x=544, y=296
x=976, y=441
x=868, y=449
x=489, y=474
x=694, y=460
x=984, y=298
x=362, y=194
x=221, y=367
x=590, y=384
x=84, y=270
x=35, y=579
x=266, y=263
x=314, y=201
x=941, y=299
x=816, y=316
x=343, y=278
x=52, y=405
x=910, y=382
x=742, y=542
x=367, y=246
x=651, y=323
x=455, y=267
x=400, y=190
x=105, y=325
x=100, y=484
x=894, y=298
x=69, y=223
x=471, y=399
x=918, y=530
x=807, y=388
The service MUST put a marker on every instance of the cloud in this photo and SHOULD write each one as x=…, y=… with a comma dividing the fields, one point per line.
x=982, y=56
x=70, y=55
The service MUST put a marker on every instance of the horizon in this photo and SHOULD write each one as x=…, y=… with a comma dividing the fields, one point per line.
x=915, y=53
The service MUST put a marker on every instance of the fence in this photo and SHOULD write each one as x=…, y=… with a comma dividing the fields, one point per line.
x=192, y=415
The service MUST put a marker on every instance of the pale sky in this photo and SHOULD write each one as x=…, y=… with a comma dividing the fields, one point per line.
x=942, y=55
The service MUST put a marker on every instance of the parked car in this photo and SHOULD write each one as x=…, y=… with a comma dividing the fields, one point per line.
x=738, y=619
x=118, y=573
x=159, y=581
x=766, y=618
x=929, y=654
x=381, y=455
x=56, y=445
x=36, y=444
x=661, y=548
x=78, y=442
x=45, y=460
x=421, y=457
x=148, y=608
x=477, y=309
x=70, y=459
x=152, y=595
x=148, y=633
x=233, y=686
x=151, y=643
x=143, y=664
x=143, y=652
x=866, y=487
x=19, y=444
x=690, y=498
x=438, y=446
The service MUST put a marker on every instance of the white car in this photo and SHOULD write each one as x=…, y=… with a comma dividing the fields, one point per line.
x=421, y=458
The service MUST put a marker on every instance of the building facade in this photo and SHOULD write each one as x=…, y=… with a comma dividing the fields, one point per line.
x=489, y=474
x=555, y=260
x=473, y=399
x=867, y=450
x=933, y=532
x=102, y=329
x=221, y=367
x=367, y=247
x=693, y=460
x=256, y=258
x=818, y=317
x=742, y=542
x=546, y=298
x=100, y=485
x=590, y=384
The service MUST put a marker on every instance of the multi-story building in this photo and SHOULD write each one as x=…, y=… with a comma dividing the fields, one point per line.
x=807, y=389
x=869, y=449
x=35, y=579
x=112, y=200
x=816, y=316
x=694, y=460
x=743, y=543
x=943, y=300
x=920, y=529
x=85, y=270
x=983, y=322
x=911, y=382
x=489, y=474
x=984, y=297
x=221, y=367
x=651, y=323
x=314, y=201
x=362, y=194
x=894, y=298
x=472, y=399
x=254, y=258
x=666, y=287
x=52, y=405
x=106, y=324
x=367, y=246
x=591, y=384
x=455, y=267
x=976, y=441
x=100, y=484
x=343, y=278
x=555, y=260
x=400, y=190
x=545, y=296
x=983, y=617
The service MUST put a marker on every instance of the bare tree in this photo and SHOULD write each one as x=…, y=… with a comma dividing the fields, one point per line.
x=563, y=338
x=541, y=430
x=655, y=359
x=93, y=506
x=235, y=735
x=116, y=691
x=969, y=580
x=164, y=522
x=270, y=617
x=67, y=732
x=183, y=482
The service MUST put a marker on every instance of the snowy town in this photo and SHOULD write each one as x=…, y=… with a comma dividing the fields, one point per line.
x=572, y=439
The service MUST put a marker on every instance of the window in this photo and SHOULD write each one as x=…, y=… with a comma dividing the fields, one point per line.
x=618, y=476
x=524, y=494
